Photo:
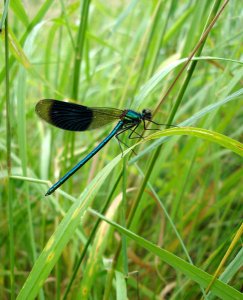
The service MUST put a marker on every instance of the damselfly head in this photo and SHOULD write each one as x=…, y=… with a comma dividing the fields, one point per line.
x=147, y=114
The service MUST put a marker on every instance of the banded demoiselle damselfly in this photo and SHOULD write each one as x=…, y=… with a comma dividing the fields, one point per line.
x=75, y=117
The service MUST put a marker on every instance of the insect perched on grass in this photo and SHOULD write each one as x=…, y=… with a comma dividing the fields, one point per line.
x=75, y=117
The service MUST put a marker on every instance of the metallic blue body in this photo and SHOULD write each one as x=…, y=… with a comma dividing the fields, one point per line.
x=132, y=115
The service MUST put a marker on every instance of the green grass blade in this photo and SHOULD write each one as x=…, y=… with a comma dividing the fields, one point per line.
x=201, y=133
x=219, y=288
x=62, y=235
x=80, y=47
x=19, y=11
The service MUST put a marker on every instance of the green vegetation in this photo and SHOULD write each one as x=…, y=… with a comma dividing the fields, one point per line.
x=171, y=210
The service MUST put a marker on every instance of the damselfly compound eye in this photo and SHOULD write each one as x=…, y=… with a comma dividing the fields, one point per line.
x=147, y=114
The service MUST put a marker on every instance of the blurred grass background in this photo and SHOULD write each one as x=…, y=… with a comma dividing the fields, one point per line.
x=122, y=54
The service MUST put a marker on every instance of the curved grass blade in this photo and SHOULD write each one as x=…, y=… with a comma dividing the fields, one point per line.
x=205, y=134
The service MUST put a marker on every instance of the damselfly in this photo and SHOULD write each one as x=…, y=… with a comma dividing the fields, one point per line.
x=75, y=117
